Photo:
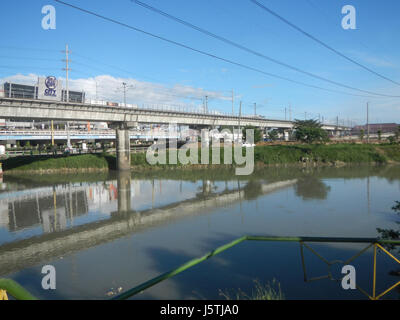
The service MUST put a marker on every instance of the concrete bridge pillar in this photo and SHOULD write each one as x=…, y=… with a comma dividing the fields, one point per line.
x=286, y=135
x=123, y=145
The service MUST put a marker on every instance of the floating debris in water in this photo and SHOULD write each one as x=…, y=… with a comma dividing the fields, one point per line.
x=114, y=291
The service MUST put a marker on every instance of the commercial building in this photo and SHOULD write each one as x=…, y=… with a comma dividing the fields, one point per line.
x=22, y=91
x=374, y=128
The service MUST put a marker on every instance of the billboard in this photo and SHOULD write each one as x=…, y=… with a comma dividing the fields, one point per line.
x=49, y=88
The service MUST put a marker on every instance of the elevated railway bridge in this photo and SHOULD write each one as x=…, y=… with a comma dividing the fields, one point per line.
x=122, y=119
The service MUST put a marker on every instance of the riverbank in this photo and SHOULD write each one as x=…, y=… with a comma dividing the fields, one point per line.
x=277, y=155
x=54, y=164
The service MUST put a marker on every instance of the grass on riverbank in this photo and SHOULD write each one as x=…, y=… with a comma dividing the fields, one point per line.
x=390, y=151
x=269, y=291
x=55, y=163
x=347, y=153
x=291, y=154
x=265, y=155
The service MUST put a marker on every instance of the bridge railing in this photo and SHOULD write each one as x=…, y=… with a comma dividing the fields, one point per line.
x=40, y=132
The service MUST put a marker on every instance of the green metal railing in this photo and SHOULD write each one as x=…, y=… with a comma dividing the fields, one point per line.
x=207, y=256
x=18, y=292
x=14, y=289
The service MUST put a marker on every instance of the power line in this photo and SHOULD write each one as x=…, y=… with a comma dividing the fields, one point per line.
x=166, y=94
x=321, y=42
x=333, y=21
x=75, y=62
x=114, y=67
x=161, y=93
x=130, y=73
x=27, y=67
x=27, y=58
x=210, y=54
x=25, y=48
x=239, y=46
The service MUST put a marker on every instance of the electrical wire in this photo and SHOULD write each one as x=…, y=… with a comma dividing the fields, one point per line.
x=258, y=54
x=321, y=42
x=210, y=54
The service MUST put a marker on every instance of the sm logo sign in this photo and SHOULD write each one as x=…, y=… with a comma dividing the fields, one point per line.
x=51, y=86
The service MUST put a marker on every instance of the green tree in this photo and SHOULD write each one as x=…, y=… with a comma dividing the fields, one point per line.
x=273, y=135
x=257, y=133
x=379, y=135
x=391, y=140
x=391, y=233
x=309, y=131
x=397, y=133
x=221, y=128
x=361, y=135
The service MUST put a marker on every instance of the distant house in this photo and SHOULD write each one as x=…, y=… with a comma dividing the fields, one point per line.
x=375, y=127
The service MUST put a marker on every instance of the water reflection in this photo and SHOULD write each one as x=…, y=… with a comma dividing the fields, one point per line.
x=52, y=209
x=253, y=189
x=60, y=206
x=124, y=191
x=312, y=188
x=46, y=217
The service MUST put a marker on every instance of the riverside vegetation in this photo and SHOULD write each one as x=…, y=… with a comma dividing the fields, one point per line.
x=307, y=154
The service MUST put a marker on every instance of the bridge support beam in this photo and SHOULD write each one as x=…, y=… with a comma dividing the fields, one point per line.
x=286, y=135
x=123, y=145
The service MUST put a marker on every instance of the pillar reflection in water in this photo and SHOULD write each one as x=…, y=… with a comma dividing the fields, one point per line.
x=124, y=191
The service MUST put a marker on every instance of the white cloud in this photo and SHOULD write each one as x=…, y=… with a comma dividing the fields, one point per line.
x=373, y=60
x=28, y=79
x=110, y=88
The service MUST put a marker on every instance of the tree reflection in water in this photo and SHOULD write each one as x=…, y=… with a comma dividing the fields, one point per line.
x=252, y=190
x=311, y=188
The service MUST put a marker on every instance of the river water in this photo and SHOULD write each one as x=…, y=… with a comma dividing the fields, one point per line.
x=106, y=233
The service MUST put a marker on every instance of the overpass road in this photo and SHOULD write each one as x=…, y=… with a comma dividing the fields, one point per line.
x=80, y=135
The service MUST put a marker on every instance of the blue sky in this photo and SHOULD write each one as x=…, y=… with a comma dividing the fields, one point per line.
x=156, y=69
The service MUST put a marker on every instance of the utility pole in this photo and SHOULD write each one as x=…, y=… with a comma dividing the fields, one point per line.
x=233, y=103
x=66, y=94
x=240, y=114
x=124, y=84
x=52, y=133
x=233, y=113
x=255, y=109
x=285, y=115
x=68, y=137
x=367, y=122
x=67, y=69
x=206, y=104
x=125, y=88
